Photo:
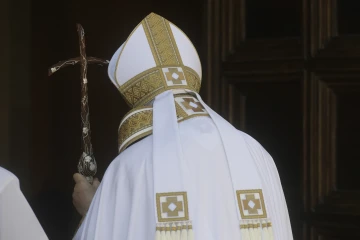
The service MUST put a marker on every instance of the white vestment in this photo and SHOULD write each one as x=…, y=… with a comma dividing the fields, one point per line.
x=188, y=171
x=17, y=219
x=122, y=208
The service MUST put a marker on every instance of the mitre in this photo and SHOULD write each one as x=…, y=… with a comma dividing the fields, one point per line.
x=156, y=57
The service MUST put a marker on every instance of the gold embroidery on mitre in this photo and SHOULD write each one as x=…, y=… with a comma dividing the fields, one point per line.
x=142, y=88
x=251, y=204
x=172, y=207
x=174, y=76
x=161, y=40
x=193, y=79
x=169, y=73
x=137, y=123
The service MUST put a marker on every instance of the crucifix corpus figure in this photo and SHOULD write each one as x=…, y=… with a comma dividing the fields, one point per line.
x=87, y=164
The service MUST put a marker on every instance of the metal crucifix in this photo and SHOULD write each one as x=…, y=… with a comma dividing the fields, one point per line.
x=87, y=164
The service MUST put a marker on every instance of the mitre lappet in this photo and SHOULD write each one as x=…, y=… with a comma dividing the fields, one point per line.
x=224, y=186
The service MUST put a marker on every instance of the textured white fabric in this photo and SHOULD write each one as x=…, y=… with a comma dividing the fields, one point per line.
x=136, y=47
x=187, y=50
x=17, y=220
x=167, y=145
x=112, y=65
x=123, y=207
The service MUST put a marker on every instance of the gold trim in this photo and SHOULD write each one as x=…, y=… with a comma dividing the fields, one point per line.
x=139, y=121
x=251, y=191
x=194, y=116
x=148, y=133
x=131, y=141
x=181, y=114
x=193, y=79
x=172, y=39
x=150, y=41
x=191, y=44
x=132, y=111
x=140, y=118
x=161, y=40
x=143, y=88
x=172, y=194
x=117, y=61
x=140, y=88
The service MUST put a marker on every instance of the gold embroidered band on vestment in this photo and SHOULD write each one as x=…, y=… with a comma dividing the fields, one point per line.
x=137, y=123
x=253, y=213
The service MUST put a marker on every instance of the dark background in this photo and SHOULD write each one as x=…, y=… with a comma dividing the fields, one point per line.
x=286, y=72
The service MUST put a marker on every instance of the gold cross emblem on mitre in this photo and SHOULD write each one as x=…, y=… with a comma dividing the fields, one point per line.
x=175, y=76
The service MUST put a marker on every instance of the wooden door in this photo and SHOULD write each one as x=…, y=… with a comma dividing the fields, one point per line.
x=288, y=73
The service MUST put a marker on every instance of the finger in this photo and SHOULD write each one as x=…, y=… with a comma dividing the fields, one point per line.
x=82, y=186
x=96, y=183
x=78, y=177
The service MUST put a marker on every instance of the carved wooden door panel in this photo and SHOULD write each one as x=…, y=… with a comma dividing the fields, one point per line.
x=288, y=73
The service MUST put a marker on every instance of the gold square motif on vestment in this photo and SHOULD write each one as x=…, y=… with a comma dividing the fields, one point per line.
x=251, y=204
x=172, y=206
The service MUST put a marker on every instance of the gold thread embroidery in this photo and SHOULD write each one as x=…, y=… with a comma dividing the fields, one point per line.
x=187, y=39
x=190, y=104
x=143, y=88
x=175, y=76
x=151, y=43
x=135, y=123
x=117, y=61
x=194, y=116
x=132, y=140
x=172, y=195
x=177, y=206
x=181, y=114
x=250, y=206
x=140, y=119
x=161, y=40
x=172, y=38
x=193, y=79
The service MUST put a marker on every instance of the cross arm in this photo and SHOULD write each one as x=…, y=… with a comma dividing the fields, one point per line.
x=73, y=61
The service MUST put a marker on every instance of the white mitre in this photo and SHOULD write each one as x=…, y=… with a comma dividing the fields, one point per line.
x=17, y=220
x=157, y=56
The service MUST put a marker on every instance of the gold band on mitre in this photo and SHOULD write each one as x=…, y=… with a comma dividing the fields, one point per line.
x=167, y=71
x=142, y=88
